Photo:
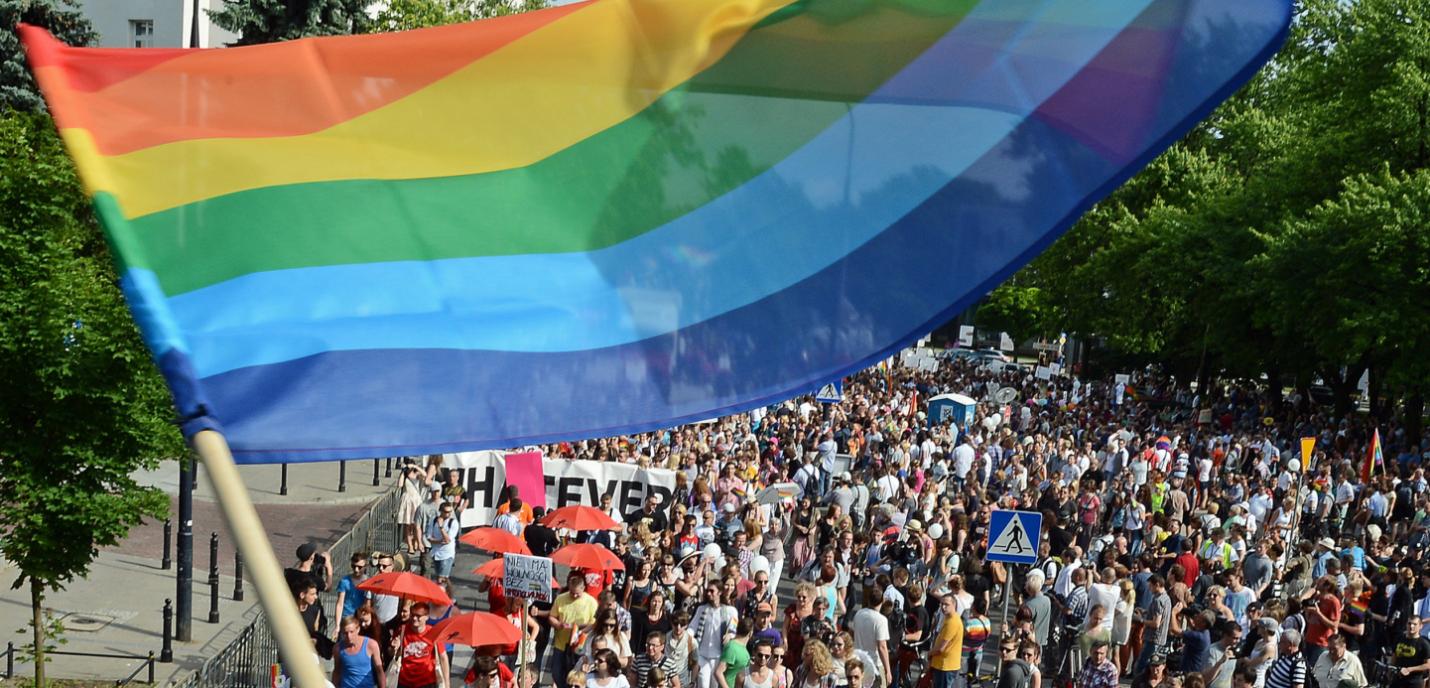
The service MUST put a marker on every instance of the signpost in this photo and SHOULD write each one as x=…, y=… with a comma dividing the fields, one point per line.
x=1013, y=538
x=526, y=578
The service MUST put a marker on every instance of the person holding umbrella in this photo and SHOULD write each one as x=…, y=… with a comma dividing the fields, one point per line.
x=423, y=663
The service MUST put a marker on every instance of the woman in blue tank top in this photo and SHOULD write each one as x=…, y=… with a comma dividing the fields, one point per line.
x=356, y=662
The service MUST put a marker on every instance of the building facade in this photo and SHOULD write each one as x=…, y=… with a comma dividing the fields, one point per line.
x=153, y=23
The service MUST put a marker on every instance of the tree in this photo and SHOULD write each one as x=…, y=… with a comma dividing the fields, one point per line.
x=1273, y=237
x=83, y=407
x=59, y=17
x=268, y=21
x=1020, y=311
x=401, y=15
x=1351, y=282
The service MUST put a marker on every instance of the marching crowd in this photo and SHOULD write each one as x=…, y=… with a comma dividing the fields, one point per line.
x=1183, y=544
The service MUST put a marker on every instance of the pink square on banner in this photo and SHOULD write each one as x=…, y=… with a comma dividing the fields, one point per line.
x=523, y=471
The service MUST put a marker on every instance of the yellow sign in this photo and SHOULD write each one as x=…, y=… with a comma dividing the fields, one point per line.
x=1308, y=447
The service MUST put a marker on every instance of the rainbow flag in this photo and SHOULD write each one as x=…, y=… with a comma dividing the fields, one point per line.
x=1374, y=458
x=609, y=216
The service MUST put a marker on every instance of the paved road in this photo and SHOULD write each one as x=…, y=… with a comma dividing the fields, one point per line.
x=117, y=608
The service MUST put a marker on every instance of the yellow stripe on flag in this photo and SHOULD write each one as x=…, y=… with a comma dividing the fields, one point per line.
x=562, y=83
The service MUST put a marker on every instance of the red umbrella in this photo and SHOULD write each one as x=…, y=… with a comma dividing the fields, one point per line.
x=579, y=518
x=407, y=585
x=475, y=629
x=588, y=556
x=496, y=570
x=495, y=540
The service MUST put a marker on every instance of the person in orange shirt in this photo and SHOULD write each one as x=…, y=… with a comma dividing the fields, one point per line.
x=524, y=513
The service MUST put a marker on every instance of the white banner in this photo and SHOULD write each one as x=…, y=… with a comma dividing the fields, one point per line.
x=567, y=483
x=965, y=335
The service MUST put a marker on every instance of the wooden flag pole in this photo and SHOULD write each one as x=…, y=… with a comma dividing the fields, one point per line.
x=294, y=644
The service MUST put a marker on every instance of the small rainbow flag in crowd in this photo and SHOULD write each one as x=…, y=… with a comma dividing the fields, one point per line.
x=609, y=216
x=1374, y=458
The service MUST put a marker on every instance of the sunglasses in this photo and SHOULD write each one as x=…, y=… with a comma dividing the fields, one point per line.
x=384, y=566
x=761, y=656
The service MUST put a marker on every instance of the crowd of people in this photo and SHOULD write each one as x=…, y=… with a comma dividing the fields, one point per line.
x=1184, y=544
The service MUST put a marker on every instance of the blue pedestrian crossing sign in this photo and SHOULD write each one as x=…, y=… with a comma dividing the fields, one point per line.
x=831, y=393
x=1013, y=536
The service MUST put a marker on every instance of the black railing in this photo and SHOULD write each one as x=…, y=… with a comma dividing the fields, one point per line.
x=147, y=664
x=248, y=660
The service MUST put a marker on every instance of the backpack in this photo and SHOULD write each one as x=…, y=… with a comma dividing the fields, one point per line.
x=898, y=621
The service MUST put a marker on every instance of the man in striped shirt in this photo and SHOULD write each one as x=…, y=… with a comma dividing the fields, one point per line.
x=1289, y=670
x=654, y=656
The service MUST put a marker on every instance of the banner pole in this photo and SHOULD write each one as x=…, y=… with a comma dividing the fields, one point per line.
x=294, y=644
x=521, y=645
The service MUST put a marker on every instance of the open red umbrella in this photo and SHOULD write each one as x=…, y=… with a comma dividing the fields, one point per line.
x=407, y=585
x=588, y=556
x=495, y=540
x=476, y=629
x=579, y=518
x=496, y=570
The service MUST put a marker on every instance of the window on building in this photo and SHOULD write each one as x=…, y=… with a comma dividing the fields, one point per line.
x=141, y=33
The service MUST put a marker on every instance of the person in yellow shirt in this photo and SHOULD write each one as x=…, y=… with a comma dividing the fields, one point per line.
x=571, y=617
x=946, y=659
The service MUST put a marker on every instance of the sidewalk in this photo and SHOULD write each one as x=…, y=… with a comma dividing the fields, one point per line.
x=118, y=607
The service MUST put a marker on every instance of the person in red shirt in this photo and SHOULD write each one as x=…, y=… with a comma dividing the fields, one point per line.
x=423, y=663
x=1322, y=619
x=486, y=670
x=1191, y=568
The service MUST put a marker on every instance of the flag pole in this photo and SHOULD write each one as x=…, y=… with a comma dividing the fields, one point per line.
x=294, y=644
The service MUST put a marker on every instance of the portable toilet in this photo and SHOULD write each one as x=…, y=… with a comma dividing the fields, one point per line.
x=955, y=407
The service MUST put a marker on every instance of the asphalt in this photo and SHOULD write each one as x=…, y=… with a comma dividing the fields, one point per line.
x=118, y=607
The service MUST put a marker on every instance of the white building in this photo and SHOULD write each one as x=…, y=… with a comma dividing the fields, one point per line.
x=153, y=23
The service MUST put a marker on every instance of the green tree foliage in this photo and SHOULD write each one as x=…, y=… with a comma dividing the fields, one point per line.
x=61, y=18
x=83, y=407
x=401, y=15
x=1286, y=233
x=1020, y=311
x=268, y=21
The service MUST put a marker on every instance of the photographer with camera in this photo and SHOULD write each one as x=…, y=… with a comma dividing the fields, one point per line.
x=312, y=566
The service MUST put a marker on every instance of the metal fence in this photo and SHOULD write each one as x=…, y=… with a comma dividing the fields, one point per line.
x=247, y=661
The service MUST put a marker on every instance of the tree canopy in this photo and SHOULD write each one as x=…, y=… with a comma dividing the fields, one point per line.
x=1285, y=234
x=266, y=21
x=62, y=18
x=83, y=407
